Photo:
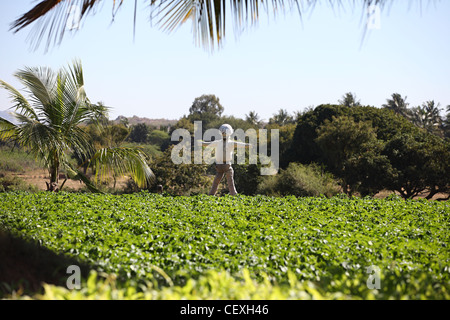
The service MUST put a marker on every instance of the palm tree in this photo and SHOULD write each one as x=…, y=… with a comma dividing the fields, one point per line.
x=398, y=105
x=253, y=118
x=349, y=100
x=49, y=125
x=281, y=118
x=427, y=117
x=446, y=123
x=52, y=17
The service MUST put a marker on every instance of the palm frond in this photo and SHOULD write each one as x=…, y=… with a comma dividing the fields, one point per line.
x=77, y=175
x=81, y=109
x=122, y=161
x=41, y=84
x=75, y=72
x=39, y=138
x=74, y=95
x=21, y=104
x=80, y=142
x=209, y=17
x=7, y=129
x=51, y=18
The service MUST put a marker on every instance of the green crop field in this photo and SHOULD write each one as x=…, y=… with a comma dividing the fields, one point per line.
x=153, y=246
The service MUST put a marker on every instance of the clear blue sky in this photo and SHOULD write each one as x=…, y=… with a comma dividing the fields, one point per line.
x=281, y=63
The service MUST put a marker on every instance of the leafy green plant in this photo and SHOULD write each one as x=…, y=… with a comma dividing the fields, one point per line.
x=329, y=242
x=212, y=285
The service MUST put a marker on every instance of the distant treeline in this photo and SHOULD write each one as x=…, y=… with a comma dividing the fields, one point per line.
x=323, y=150
x=365, y=149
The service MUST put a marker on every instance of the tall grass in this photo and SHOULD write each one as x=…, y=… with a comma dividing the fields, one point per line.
x=16, y=160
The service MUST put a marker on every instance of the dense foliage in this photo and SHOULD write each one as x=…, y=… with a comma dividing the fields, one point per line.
x=299, y=180
x=371, y=149
x=328, y=242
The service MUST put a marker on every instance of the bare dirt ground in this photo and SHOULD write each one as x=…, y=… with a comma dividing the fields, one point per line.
x=383, y=194
x=39, y=177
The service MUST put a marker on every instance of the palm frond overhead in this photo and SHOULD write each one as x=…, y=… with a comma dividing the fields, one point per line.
x=209, y=17
x=51, y=18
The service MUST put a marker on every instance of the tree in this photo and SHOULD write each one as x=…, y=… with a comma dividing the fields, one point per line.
x=349, y=100
x=246, y=178
x=351, y=152
x=106, y=135
x=253, y=118
x=101, y=136
x=205, y=108
x=123, y=121
x=50, y=127
x=183, y=123
x=421, y=163
x=403, y=157
x=398, y=105
x=446, y=123
x=139, y=133
x=159, y=138
x=304, y=149
x=427, y=117
x=115, y=134
x=180, y=179
x=50, y=17
x=281, y=118
x=285, y=137
x=235, y=123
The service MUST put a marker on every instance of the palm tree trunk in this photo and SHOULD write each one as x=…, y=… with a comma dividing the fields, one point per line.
x=54, y=177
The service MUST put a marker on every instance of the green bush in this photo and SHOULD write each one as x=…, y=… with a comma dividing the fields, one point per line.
x=159, y=138
x=247, y=178
x=151, y=151
x=176, y=179
x=301, y=181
